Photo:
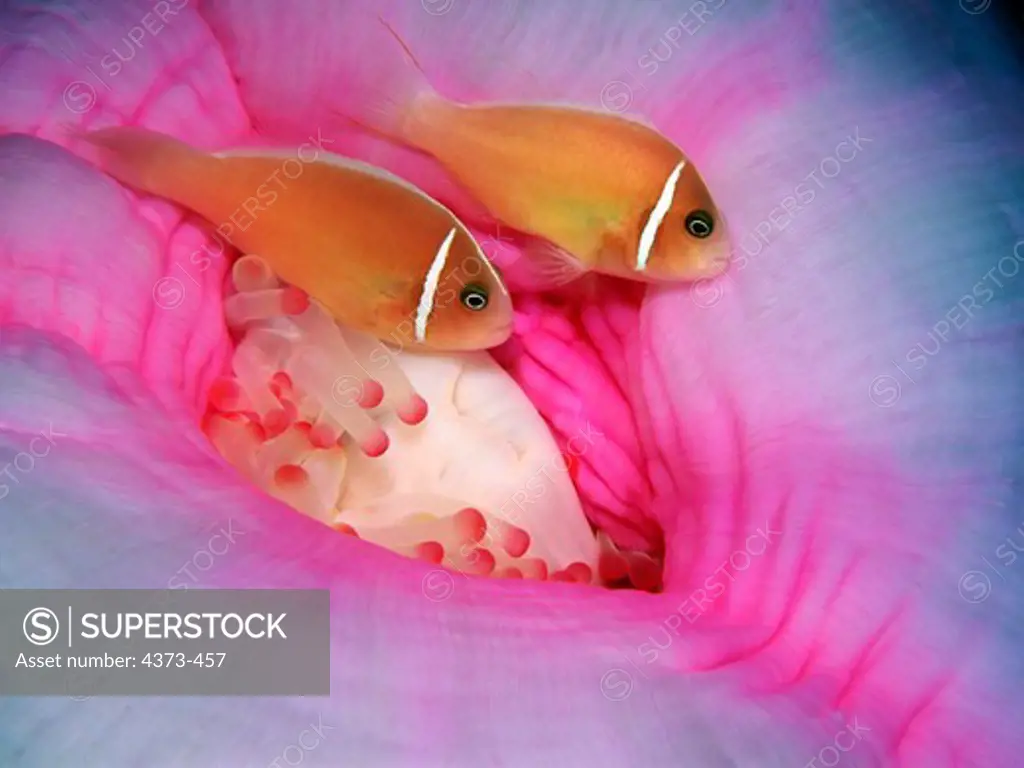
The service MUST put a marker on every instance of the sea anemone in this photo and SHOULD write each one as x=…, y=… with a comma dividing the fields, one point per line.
x=817, y=450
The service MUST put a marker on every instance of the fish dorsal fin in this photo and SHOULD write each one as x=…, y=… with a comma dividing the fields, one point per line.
x=340, y=161
x=635, y=118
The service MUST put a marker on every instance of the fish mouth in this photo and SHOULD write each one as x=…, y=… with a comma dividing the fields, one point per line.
x=715, y=267
x=715, y=264
x=471, y=343
x=500, y=336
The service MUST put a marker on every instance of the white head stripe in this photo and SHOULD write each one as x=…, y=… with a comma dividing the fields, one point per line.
x=657, y=216
x=430, y=282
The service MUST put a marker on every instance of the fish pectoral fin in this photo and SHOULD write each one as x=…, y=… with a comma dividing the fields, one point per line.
x=545, y=266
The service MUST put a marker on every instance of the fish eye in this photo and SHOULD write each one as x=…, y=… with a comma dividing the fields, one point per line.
x=473, y=297
x=700, y=224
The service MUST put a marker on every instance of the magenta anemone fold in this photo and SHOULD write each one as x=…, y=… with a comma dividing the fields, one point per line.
x=802, y=477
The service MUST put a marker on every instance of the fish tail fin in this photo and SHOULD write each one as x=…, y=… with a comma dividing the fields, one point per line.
x=146, y=160
x=389, y=98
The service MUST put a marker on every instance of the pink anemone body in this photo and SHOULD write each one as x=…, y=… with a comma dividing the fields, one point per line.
x=824, y=446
